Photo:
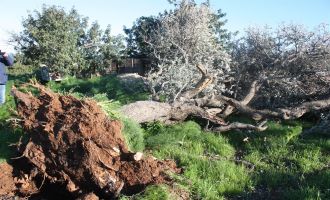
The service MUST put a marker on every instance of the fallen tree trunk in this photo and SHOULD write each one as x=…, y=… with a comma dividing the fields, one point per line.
x=150, y=111
x=73, y=143
x=280, y=113
x=216, y=109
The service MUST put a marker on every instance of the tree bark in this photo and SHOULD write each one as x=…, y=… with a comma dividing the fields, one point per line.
x=281, y=113
x=253, y=89
x=201, y=85
x=238, y=125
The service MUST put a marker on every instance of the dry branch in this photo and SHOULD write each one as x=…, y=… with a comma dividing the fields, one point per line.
x=238, y=125
x=253, y=89
x=201, y=85
x=281, y=113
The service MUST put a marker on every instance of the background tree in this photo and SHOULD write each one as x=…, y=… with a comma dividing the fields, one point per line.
x=92, y=54
x=65, y=43
x=113, y=48
x=51, y=37
x=135, y=36
x=101, y=49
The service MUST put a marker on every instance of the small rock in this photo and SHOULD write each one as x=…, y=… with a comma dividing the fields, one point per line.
x=138, y=156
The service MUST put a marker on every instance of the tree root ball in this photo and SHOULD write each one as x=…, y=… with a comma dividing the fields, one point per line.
x=72, y=142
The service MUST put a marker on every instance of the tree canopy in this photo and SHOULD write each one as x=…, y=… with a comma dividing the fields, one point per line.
x=65, y=43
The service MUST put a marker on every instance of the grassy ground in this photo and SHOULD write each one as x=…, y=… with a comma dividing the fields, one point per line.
x=280, y=163
x=288, y=164
x=108, y=85
x=9, y=134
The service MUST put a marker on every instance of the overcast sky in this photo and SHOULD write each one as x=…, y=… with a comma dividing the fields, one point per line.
x=240, y=13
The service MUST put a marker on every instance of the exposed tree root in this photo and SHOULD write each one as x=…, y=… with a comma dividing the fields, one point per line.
x=73, y=143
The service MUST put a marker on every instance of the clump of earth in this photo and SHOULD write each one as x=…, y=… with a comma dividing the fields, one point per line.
x=75, y=149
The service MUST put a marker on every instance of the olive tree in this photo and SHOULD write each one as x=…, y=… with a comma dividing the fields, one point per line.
x=193, y=70
x=190, y=69
x=185, y=52
x=293, y=62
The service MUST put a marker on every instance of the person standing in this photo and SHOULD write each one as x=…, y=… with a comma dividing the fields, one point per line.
x=5, y=60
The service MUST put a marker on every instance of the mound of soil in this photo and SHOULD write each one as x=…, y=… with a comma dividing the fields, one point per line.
x=74, y=145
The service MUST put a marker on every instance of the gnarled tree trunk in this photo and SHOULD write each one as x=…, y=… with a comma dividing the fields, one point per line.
x=215, y=109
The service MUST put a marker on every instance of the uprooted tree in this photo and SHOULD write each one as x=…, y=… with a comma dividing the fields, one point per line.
x=293, y=61
x=196, y=76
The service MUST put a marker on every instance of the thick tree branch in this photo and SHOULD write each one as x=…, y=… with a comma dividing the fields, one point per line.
x=182, y=112
x=238, y=125
x=253, y=89
x=282, y=113
x=201, y=85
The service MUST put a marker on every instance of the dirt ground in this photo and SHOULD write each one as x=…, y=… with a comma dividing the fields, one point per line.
x=7, y=183
x=73, y=148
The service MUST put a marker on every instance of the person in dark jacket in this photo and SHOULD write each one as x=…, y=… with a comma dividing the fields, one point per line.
x=5, y=60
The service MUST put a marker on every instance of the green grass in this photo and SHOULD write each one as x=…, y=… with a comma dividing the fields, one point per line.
x=287, y=164
x=108, y=85
x=207, y=159
x=8, y=135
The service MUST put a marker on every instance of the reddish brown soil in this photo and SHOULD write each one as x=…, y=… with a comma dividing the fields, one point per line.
x=74, y=144
x=7, y=183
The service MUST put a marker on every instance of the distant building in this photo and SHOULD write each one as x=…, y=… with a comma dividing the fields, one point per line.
x=130, y=65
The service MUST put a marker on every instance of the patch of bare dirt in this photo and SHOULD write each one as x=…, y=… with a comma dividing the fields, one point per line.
x=7, y=183
x=74, y=145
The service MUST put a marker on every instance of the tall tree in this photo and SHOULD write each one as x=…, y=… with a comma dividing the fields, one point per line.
x=51, y=37
x=135, y=36
x=66, y=43
x=92, y=52
x=113, y=48
x=101, y=48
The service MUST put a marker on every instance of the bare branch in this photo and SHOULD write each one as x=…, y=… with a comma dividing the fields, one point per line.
x=253, y=89
x=238, y=125
x=282, y=113
x=201, y=85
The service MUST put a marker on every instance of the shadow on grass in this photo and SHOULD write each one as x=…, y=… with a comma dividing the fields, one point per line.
x=288, y=165
x=272, y=184
x=20, y=78
x=8, y=137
